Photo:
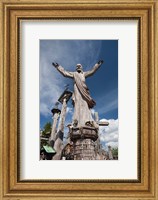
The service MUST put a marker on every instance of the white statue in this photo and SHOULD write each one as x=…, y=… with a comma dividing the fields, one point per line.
x=82, y=100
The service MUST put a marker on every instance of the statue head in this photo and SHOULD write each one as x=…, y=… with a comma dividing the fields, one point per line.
x=79, y=68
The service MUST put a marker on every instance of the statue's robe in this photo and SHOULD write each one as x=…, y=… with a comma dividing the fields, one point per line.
x=81, y=97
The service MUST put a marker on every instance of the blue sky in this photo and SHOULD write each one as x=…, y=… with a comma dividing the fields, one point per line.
x=103, y=85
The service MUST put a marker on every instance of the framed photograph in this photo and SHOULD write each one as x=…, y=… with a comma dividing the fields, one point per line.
x=79, y=100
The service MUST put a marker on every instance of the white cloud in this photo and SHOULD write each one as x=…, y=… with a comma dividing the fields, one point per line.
x=109, y=134
x=69, y=110
x=112, y=144
x=68, y=54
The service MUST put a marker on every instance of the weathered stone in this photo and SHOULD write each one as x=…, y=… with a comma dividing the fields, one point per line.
x=58, y=145
x=83, y=133
x=83, y=142
x=84, y=149
x=54, y=128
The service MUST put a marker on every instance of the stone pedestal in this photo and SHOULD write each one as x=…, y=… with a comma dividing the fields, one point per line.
x=84, y=149
x=84, y=142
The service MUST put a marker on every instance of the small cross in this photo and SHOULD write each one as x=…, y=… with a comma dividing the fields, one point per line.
x=103, y=123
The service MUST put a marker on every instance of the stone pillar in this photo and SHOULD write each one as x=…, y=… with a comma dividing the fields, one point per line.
x=54, y=126
x=58, y=145
x=62, y=116
x=56, y=112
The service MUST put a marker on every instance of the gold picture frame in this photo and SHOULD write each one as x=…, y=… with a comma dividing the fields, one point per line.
x=146, y=187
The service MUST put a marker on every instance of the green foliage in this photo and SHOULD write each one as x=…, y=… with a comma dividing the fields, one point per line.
x=115, y=151
x=43, y=143
x=45, y=134
x=47, y=129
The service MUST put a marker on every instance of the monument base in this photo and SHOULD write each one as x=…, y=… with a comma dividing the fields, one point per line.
x=84, y=142
x=84, y=149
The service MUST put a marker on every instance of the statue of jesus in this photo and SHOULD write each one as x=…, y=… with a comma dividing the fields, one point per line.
x=81, y=98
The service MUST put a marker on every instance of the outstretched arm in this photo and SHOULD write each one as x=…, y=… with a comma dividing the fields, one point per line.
x=62, y=70
x=94, y=69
